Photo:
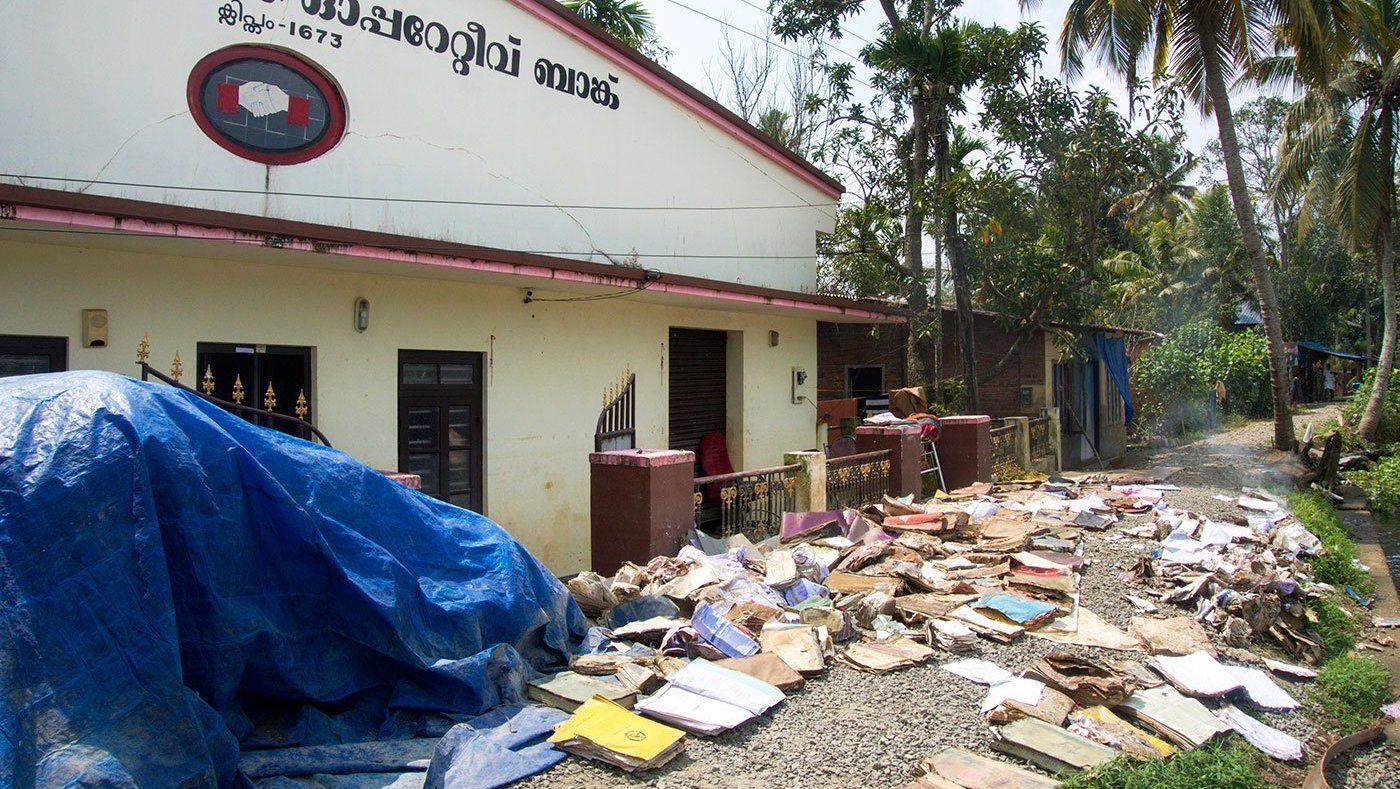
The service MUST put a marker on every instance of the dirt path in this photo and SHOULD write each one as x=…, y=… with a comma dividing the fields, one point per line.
x=1224, y=462
x=1221, y=464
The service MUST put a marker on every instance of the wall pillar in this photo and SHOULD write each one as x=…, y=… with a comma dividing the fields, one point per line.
x=642, y=504
x=1022, y=436
x=811, y=480
x=966, y=450
x=906, y=456
x=1056, y=448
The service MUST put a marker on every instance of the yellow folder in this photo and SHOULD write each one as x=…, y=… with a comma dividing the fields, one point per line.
x=614, y=728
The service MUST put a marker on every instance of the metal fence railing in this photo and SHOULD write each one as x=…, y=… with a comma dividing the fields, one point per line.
x=1004, y=465
x=854, y=481
x=1040, y=437
x=750, y=502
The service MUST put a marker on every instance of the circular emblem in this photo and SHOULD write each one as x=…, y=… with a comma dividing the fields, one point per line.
x=635, y=736
x=266, y=105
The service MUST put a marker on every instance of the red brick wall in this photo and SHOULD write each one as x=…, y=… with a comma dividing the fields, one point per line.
x=1001, y=396
x=843, y=345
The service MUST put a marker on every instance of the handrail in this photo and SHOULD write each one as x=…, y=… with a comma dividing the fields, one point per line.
x=737, y=475
x=238, y=408
x=857, y=459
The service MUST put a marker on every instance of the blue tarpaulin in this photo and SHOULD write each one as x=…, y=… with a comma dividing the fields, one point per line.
x=179, y=584
x=1318, y=347
x=1113, y=351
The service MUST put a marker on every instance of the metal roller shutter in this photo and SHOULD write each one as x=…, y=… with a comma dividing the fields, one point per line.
x=698, y=386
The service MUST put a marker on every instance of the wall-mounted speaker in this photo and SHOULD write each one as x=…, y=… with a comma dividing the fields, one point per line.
x=94, y=328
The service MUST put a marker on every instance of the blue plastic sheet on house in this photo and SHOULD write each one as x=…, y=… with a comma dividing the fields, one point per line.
x=178, y=582
x=1113, y=351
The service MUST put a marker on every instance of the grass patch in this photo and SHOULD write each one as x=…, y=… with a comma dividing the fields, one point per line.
x=1334, y=625
x=1337, y=564
x=1351, y=689
x=1222, y=766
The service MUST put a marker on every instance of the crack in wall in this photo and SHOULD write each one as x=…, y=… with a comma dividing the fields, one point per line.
x=122, y=147
x=588, y=236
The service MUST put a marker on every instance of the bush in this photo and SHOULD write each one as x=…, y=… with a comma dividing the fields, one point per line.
x=1222, y=766
x=1173, y=378
x=1382, y=484
x=1336, y=565
x=1352, y=689
x=1334, y=626
x=1388, y=432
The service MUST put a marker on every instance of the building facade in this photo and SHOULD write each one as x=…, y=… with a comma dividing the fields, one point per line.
x=450, y=232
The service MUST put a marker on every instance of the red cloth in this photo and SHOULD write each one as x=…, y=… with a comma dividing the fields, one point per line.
x=227, y=98
x=298, y=111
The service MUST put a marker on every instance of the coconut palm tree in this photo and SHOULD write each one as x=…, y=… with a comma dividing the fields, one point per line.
x=1339, y=147
x=1164, y=189
x=627, y=19
x=1205, y=44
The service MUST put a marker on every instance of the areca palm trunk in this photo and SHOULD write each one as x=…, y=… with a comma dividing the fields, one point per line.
x=1249, y=232
x=1385, y=258
x=957, y=265
x=916, y=344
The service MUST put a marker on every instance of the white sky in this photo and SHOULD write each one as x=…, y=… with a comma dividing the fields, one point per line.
x=694, y=43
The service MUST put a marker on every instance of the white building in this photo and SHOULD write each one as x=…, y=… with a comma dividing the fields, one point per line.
x=453, y=226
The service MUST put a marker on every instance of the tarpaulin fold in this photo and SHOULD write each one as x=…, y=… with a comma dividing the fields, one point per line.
x=176, y=580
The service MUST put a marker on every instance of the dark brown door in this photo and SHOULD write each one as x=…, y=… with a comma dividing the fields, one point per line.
x=22, y=355
x=698, y=387
x=440, y=424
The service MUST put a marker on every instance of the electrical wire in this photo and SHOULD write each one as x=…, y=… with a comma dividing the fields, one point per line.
x=425, y=248
x=764, y=39
x=420, y=200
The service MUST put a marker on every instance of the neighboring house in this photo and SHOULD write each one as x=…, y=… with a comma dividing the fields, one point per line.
x=865, y=362
x=449, y=230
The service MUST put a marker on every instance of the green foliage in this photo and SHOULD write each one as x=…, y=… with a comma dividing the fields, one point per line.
x=1174, y=377
x=1335, y=627
x=954, y=398
x=1352, y=689
x=1382, y=484
x=1222, y=766
x=1389, y=430
x=1336, y=565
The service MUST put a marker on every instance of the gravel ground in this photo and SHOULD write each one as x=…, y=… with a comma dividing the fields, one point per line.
x=852, y=729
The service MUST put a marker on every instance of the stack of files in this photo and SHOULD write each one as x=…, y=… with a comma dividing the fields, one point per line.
x=703, y=698
x=1180, y=720
x=604, y=731
x=567, y=690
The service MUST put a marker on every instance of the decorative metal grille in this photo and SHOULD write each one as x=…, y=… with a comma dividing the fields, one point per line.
x=750, y=502
x=856, y=480
x=301, y=427
x=1004, y=465
x=617, y=424
x=1040, y=437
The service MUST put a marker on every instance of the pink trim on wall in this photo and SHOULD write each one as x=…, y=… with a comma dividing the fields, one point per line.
x=138, y=227
x=699, y=108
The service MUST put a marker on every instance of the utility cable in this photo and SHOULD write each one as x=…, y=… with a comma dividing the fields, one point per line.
x=420, y=200
x=424, y=248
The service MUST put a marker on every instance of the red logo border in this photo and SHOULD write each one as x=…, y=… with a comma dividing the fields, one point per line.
x=335, y=102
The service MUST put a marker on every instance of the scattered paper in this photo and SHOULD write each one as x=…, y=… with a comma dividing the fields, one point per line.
x=1275, y=743
x=1290, y=670
x=978, y=670
x=1262, y=690
x=1198, y=674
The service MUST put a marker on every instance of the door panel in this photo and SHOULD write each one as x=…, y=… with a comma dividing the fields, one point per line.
x=440, y=424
